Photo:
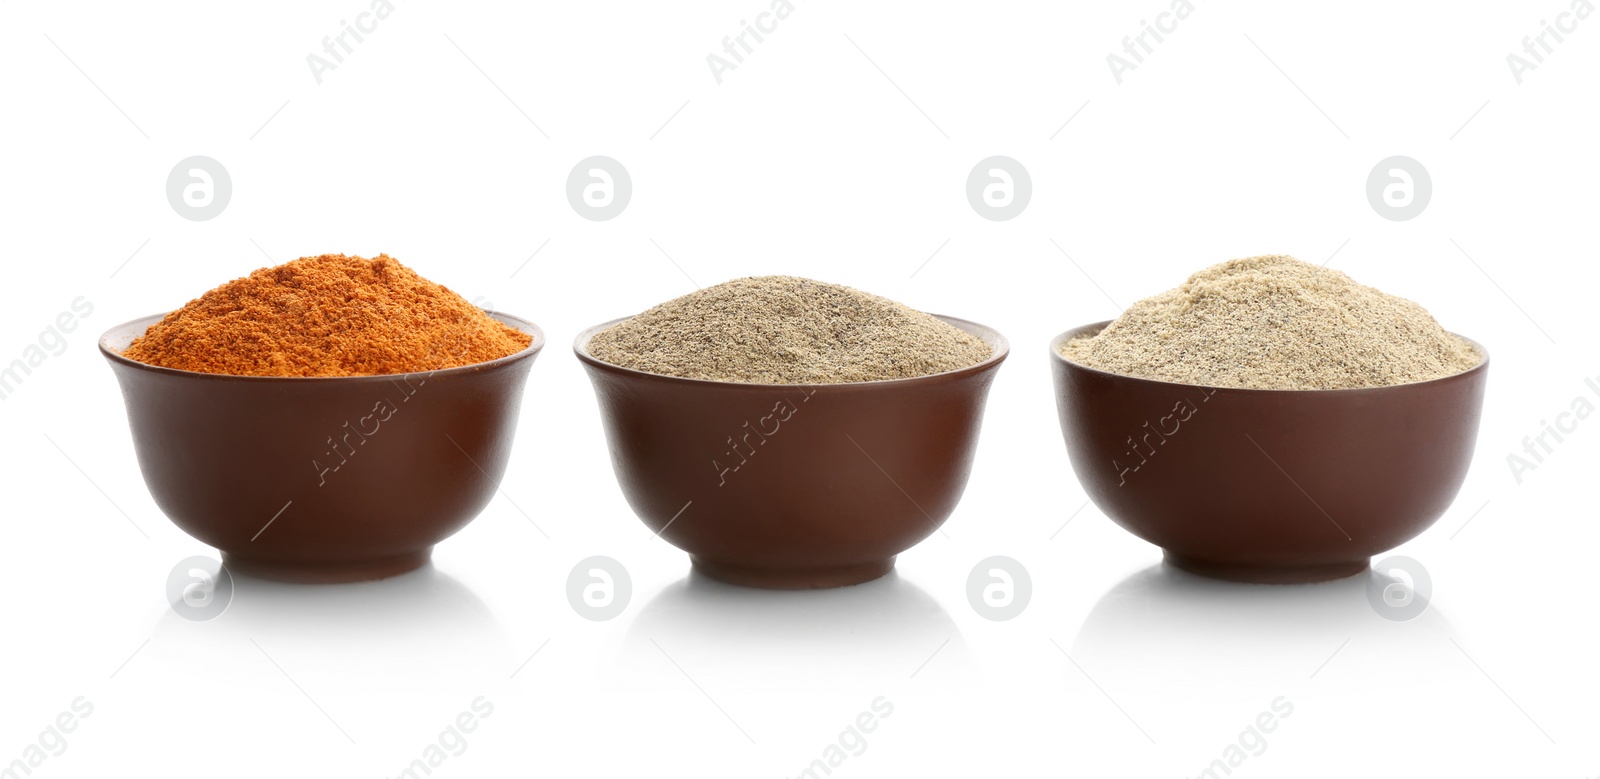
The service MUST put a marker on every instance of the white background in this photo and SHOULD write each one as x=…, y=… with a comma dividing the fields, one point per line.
x=807, y=160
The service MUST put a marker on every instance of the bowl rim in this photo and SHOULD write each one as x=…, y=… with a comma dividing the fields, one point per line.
x=524, y=325
x=999, y=346
x=1061, y=338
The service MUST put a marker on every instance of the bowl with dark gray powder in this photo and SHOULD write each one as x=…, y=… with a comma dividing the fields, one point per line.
x=1270, y=420
x=789, y=433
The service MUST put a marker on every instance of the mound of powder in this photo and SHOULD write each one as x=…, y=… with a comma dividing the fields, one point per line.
x=326, y=316
x=1274, y=322
x=786, y=330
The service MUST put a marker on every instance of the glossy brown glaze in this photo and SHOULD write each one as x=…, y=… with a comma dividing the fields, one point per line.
x=1268, y=485
x=246, y=465
x=793, y=486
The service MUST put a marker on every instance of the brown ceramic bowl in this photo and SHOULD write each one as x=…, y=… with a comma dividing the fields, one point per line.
x=793, y=486
x=1267, y=485
x=322, y=479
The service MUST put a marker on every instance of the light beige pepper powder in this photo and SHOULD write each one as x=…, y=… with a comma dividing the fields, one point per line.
x=786, y=330
x=1274, y=322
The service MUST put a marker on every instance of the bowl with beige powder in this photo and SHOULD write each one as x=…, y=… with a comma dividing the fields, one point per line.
x=789, y=433
x=329, y=419
x=1270, y=420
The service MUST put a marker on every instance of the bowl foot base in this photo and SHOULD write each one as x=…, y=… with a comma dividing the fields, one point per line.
x=327, y=572
x=1266, y=574
x=793, y=578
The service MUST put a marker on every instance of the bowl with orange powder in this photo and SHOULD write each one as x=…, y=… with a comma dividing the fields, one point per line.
x=329, y=419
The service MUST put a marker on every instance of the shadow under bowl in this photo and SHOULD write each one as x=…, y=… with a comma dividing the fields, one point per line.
x=322, y=479
x=1270, y=486
x=793, y=486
